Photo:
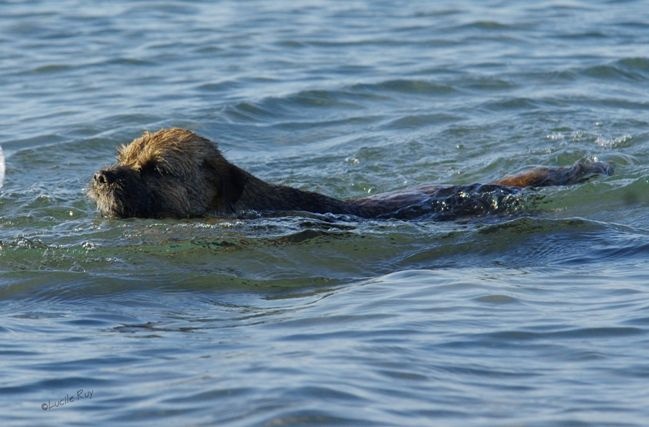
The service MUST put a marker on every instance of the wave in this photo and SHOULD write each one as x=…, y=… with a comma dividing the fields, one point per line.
x=630, y=69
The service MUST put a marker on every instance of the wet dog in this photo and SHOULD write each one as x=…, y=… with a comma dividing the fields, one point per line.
x=176, y=173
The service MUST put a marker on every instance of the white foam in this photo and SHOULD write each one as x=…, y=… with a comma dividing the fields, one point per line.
x=2, y=167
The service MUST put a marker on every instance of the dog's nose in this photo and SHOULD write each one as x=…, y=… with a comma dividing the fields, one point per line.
x=104, y=177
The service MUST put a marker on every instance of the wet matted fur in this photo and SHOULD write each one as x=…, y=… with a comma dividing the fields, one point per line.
x=176, y=173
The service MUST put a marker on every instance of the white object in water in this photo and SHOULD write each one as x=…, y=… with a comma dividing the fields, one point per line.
x=2, y=167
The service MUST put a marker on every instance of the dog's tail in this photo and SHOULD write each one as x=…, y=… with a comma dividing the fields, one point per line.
x=581, y=171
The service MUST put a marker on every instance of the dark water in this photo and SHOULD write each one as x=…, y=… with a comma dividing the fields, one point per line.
x=538, y=318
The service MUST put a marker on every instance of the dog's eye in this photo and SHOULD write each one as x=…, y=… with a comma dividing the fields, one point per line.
x=154, y=168
x=146, y=168
x=150, y=168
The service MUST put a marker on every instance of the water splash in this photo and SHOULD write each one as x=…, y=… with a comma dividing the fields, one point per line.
x=2, y=167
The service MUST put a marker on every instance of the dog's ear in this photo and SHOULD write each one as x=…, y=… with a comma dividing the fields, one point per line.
x=228, y=180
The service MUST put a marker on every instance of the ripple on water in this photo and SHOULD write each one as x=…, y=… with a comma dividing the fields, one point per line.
x=406, y=86
x=279, y=108
x=416, y=121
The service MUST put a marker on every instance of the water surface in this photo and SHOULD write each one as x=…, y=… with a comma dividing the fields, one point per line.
x=538, y=317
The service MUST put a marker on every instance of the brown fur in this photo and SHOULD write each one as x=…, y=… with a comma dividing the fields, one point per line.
x=176, y=173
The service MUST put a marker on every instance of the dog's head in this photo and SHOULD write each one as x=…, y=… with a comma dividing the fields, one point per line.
x=168, y=173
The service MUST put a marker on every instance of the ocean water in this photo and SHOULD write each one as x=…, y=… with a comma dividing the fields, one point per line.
x=533, y=318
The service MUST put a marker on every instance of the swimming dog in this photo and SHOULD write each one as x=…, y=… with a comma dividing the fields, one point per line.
x=176, y=173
